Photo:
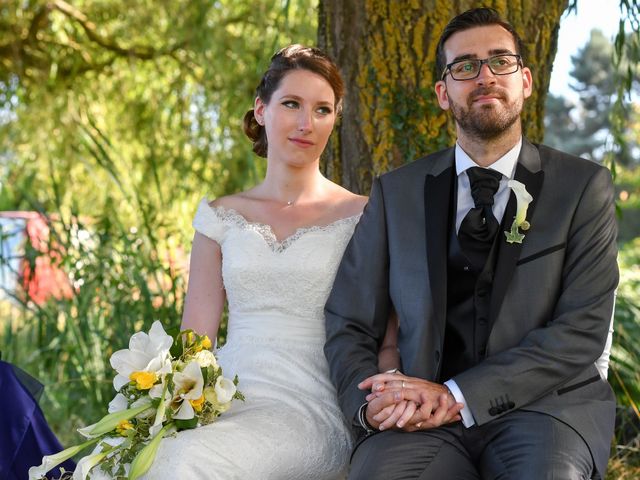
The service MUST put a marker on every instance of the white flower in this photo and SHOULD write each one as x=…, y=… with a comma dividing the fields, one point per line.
x=51, y=461
x=118, y=403
x=188, y=386
x=146, y=353
x=225, y=390
x=206, y=358
x=523, y=199
x=86, y=463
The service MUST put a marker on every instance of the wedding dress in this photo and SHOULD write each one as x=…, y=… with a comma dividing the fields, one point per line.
x=290, y=426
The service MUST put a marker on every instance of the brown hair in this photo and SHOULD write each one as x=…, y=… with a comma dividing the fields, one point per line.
x=293, y=57
x=476, y=17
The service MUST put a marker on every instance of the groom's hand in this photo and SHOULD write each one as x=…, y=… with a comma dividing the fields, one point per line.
x=409, y=403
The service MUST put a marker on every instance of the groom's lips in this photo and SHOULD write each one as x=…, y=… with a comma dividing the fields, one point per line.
x=485, y=99
x=483, y=96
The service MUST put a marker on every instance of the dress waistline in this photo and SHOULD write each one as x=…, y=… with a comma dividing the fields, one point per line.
x=275, y=326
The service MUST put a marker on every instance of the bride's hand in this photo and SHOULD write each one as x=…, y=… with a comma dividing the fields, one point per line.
x=430, y=404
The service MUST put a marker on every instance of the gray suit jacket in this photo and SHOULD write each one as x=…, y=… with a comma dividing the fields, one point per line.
x=551, y=300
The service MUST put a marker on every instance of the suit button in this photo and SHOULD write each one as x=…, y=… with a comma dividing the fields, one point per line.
x=482, y=292
x=466, y=268
x=493, y=411
x=482, y=321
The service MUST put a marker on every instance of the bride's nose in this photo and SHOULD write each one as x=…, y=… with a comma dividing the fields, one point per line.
x=305, y=122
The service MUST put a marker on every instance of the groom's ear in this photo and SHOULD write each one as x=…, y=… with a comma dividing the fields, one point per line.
x=442, y=95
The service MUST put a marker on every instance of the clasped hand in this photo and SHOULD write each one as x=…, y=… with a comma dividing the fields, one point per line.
x=408, y=403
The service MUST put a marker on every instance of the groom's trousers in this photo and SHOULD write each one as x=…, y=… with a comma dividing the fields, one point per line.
x=521, y=445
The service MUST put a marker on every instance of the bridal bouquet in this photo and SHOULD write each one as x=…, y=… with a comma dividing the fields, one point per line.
x=164, y=384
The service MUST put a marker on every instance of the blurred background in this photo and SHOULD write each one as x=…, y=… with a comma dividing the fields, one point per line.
x=117, y=117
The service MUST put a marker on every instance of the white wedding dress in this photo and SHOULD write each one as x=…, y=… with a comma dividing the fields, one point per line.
x=290, y=426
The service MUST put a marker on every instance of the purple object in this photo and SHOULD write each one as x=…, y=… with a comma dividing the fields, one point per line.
x=25, y=436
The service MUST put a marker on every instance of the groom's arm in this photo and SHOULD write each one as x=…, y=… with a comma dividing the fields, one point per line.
x=359, y=306
x=574, y=335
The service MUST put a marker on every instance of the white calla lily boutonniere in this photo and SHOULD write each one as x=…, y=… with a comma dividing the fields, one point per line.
x=523, y=199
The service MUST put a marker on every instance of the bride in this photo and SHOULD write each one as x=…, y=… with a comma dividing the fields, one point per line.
x=272, y=253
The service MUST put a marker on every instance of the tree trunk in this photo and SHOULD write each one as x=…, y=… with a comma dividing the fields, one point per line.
x=386, y=51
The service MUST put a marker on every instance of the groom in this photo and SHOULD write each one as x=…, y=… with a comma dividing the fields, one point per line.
x=502, y=309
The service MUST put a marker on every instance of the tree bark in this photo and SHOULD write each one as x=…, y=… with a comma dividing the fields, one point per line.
x=386, y=51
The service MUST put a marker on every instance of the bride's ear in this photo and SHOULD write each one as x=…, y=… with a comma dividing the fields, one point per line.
x=258, y=110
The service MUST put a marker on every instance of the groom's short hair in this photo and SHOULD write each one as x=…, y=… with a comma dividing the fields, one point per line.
x=476, y=17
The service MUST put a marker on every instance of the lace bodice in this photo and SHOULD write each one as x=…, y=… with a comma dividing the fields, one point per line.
x=291, y=277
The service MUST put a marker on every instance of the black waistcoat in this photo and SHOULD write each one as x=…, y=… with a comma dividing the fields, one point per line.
x=468, y=304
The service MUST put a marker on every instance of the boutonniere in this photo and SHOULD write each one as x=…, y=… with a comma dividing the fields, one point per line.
x=523, y=199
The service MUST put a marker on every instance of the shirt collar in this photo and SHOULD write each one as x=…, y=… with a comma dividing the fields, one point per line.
x=506, y=164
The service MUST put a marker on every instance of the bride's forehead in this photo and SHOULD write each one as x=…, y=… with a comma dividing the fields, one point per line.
x=305, y=84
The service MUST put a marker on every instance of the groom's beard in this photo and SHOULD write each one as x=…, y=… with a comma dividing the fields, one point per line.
x=486, y=122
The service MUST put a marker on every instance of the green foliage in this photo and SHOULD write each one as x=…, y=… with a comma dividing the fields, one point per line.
x=624, y=374
x=122, y=281
x=116, y=118
x=134, y=108
x=587, y=127
x=626, y=349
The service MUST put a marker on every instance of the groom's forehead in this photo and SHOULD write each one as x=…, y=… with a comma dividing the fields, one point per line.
x=479, y=42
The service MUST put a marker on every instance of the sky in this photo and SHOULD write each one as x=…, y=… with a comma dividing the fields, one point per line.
x=574, y=33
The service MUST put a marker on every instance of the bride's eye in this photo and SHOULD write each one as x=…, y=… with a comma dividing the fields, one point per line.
x=324, y=110
x=290, y=104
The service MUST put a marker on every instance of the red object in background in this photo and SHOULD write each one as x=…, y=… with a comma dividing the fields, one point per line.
x=45, y=279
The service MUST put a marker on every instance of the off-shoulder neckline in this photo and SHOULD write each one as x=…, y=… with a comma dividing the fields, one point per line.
x=266, y=231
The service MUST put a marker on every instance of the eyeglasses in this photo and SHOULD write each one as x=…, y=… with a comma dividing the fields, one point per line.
x=469, y=69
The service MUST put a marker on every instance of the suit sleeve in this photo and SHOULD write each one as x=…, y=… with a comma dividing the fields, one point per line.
x=358, y=307
x=574, y=337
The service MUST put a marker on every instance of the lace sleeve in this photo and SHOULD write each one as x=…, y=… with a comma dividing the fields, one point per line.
x=208, y=222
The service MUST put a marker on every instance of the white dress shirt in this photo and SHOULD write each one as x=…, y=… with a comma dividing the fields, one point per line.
x=506, y=165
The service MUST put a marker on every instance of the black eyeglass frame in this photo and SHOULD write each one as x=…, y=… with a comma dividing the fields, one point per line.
x=483, y=62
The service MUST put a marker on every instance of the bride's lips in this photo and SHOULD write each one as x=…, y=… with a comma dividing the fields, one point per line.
x=300, y=142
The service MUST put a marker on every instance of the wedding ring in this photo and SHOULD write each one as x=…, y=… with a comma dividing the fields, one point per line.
x=402, y=383
x=419, y=425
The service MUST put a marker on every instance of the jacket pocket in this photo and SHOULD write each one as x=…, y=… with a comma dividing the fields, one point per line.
x=541, y=253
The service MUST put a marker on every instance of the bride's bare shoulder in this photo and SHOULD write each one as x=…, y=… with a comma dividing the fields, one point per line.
x=351, y=203
x=235, y=201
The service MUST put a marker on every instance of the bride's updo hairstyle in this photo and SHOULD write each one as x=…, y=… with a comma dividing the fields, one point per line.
x=293, y=57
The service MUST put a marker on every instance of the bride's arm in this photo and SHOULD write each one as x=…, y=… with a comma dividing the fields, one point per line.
x=388, y=355
x=205, y=294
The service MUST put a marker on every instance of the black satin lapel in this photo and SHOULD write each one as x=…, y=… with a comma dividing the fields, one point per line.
x=437, y=207
x=509, y=253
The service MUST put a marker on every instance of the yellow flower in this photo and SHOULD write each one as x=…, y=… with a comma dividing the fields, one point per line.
x=197, y=404
x=144, y=380
x=206, y=342
x=123, y=427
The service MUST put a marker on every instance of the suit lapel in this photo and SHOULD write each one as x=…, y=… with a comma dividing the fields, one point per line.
x=437, y=206
x=528, y=172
